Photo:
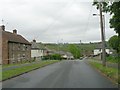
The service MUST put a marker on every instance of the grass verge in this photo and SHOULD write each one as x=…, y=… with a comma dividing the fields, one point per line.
x=18, y=71
x=113, y=59
x=109, y=72
x=16, y=64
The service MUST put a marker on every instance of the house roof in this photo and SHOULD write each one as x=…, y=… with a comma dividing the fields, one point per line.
x=34, y=45
x=99, y=46
x=11, y=37
x=37, y=46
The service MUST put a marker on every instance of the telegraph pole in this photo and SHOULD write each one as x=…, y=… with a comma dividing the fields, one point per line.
x=102, y=36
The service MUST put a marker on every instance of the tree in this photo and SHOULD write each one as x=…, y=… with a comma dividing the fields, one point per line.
x=56, y=57
x=114, y=42
x=52, y=57
x=115, y=20
x=114, y=9
x=74, y=50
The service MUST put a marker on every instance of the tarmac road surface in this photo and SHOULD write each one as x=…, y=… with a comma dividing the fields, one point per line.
x=65, y=74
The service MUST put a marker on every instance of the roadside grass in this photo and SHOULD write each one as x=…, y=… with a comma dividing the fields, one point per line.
x=17, y=71
x=16, y=64
x=0, y=72
x=110, y=59
x=108, y=71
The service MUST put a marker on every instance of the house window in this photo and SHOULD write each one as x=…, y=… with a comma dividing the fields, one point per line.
x=13, y=58
x=18, y=57
x=23, y=56
x=13, y=46
x=26, y=47
x=18, y=46
x=23, y=47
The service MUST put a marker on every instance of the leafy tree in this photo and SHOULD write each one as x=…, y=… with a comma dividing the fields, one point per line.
x=74, y=50
x=56, y=57
x=114, y=42
x=52, y=57
x=114, y=9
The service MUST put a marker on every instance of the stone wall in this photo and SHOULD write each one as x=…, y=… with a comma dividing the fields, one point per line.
x=0, y=47
x=19, y=52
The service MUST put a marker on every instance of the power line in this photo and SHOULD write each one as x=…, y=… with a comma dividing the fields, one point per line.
x=88, y=19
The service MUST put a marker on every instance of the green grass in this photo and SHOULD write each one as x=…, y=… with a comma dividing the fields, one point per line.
x=17, y=71
x=0, y=72
x=109, y=72
x=16, y=64
x=110, y=59
x=113, y=59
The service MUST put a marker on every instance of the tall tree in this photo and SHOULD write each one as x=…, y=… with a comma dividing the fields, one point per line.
x=114, y=42
x=74, y=50
x=114, y=9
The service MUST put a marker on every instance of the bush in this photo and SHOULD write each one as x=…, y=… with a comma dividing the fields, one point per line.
x=113, y=59
x=52, y=57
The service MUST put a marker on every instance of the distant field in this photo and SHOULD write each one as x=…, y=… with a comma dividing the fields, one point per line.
x=84, y=48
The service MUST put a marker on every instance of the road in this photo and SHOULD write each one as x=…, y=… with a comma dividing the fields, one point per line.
x=65, y=74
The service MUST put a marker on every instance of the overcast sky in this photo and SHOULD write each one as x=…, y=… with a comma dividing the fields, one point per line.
x=53, y=20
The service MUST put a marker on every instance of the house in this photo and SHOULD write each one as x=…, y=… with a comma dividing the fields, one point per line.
x=0, y=47
x=97, y=52
x=98, y=49
x=66, y=55
x=36, y=51
x=69, y=56
x=15, y=48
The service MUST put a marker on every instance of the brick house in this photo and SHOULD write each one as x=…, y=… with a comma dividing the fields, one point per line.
x=15, y=48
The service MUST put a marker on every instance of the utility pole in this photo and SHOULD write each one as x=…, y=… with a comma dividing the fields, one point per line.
x=102, y=36
x=104, y=26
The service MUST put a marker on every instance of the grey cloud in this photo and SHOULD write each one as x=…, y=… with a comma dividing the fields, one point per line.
x=52, y=20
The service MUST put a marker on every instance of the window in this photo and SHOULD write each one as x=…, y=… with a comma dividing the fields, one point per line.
x=18, y=46
x=13, y=46
x=23, y=56
x=23, y=47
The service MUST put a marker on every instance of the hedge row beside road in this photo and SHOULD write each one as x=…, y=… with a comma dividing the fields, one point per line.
x=18, y=71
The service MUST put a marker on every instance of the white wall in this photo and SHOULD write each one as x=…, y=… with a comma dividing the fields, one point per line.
x=98, y=51
x=36, y=53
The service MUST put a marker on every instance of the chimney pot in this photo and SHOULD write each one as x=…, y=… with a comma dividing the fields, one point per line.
x=2, y=28
x=34, y=40
x=15, y=31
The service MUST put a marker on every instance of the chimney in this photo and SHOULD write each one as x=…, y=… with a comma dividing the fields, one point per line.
x=2, y=28
x=15, y=31
x=34, y=40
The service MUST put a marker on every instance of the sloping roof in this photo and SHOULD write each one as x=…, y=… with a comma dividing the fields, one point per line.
x=99, y=46
x=11, y=37
x=69, y=54
x=34, y=45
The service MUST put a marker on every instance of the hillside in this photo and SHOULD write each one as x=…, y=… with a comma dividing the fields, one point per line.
x=84, y=48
